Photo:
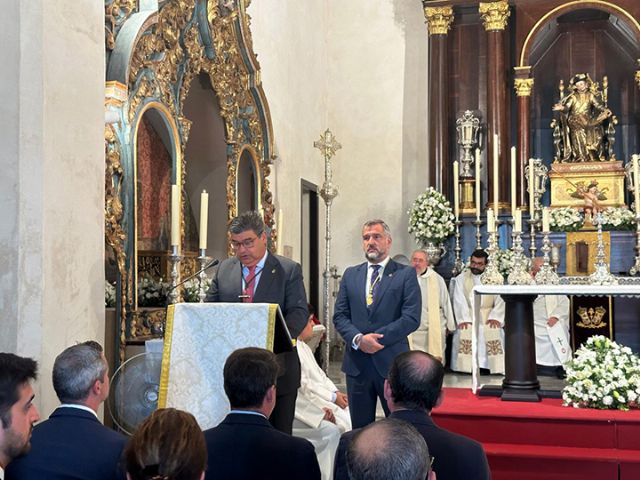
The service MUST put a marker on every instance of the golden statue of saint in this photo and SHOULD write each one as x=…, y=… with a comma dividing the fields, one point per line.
x=582, y=115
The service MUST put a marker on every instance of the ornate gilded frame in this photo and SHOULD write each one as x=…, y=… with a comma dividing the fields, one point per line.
x=153, y=55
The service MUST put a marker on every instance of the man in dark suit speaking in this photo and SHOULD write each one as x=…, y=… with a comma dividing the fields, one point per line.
x=256, y=276
x=378, y=305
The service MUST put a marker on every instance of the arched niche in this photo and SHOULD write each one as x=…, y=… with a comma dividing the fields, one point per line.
x=156, y=167
x=584, y=37
x=206, y=167
x=247, y=185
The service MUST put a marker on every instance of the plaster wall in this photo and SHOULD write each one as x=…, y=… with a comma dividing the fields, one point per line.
x=52, y=159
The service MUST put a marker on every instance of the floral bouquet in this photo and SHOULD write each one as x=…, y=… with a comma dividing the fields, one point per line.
x=109, y=295
x=152, y=293
x=618, y=218
x=191, y=292
x=431, y=218
x=505, y=261
x=603, y=375
x=566, y=219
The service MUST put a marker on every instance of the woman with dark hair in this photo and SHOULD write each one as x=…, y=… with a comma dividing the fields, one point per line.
x=168, y=445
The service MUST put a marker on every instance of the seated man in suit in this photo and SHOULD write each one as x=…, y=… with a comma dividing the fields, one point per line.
x=412, y=389
x=389, y=449
x=322, y=412
x=73, y=443
x=17, y=411
x=245, y=445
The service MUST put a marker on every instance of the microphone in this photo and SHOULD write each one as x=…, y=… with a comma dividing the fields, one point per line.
x=212, y=263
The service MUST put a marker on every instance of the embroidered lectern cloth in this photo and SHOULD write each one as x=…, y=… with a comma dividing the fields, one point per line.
x=198, y=339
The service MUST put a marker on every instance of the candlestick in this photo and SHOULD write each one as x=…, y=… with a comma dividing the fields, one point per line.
x=456, y=200
x=513, y=181
x=601, y=275
x=174, y=260
x=533, y=223
x=478, y=223
x=546, y=275
x=519, y=274
x=477, y=184
x=202, y=276
x=204, y=215
x=458, y=265
x=491, y=274
x=175, y=215
x=496, y=198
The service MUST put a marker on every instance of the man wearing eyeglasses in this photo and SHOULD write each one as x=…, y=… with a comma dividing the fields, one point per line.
x=254, y=275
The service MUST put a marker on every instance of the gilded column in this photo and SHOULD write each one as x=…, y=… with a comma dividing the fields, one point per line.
x=439, y=20
x=494, y=16
x=524, y=86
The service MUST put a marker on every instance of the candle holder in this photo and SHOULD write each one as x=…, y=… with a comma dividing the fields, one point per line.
x=491, y=274
x=519, y=274
x=174, y=259
x=546, y=275
x=601, y=275
x=478, y=223
x=538, y=183
x=533, y=223
x=458, y=266
x=202, y=276
x=555, y=256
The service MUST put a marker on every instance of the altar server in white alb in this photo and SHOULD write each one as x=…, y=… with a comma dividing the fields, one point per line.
x=322, y=412
x=436, y=318
x=490, y=332
x=551, y=326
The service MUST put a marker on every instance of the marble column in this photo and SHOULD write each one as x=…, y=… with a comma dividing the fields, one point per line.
x=523, y=86
x=51, y=180
x=439, y=20
x=494, y=16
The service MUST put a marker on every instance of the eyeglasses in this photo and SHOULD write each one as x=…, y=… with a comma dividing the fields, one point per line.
x=248, y=243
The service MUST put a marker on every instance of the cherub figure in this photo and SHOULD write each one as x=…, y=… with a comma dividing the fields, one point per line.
x=592, y=196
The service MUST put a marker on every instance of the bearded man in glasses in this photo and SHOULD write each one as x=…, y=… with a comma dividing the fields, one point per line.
x=254, y=275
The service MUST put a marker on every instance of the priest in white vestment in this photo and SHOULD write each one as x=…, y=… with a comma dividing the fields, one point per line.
x=322, y=412
x=490, y=333
x=436, y=318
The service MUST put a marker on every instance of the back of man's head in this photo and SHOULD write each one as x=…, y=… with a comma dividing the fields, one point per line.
x=15, y=371
x=386, y=449
x=76, y=370
x=415, y=379
x=248, y=374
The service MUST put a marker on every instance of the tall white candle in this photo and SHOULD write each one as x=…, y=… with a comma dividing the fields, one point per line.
x=517, y=220
x=545, y=219
x=175, y=215
x=491, y=222
x=532, y=188
x=636, y=185
x=456, y=186
x=496, y=175
x=478, y=184
x=514, y=174
x=204, y=216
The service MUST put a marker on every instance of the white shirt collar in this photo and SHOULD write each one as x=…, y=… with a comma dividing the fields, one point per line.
x=383, y=263
x=1, y=473
x=248, y=412
x=79, y=407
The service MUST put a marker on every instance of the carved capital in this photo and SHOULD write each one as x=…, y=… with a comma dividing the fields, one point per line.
x=494, y=15
x=439, y=19
x=523, y=86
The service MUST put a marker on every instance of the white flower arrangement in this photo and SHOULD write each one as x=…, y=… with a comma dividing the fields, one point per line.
x=618, y=218
x=604, y=375
x=566, y=219
x=505, y=261
x=109, y=295
x=191, y=292
x=431, y=218
x=152, y=293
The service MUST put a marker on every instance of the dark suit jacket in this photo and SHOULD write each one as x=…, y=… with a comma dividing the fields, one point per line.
x=395, y=314
x=455, y=457
x=71, y=444
x=280, y=282
x=246, y=446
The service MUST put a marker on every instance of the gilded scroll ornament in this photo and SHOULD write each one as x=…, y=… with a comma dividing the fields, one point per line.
x=494, y=15
x=523, y=86
x=439, y=19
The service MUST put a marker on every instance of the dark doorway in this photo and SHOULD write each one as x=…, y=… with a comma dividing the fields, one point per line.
x=310, y=243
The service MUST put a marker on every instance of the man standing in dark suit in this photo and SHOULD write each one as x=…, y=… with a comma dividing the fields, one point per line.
x=413, y=388
x=256, y=276
x=378, y=305
x=245, y=445
x=73, y=443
